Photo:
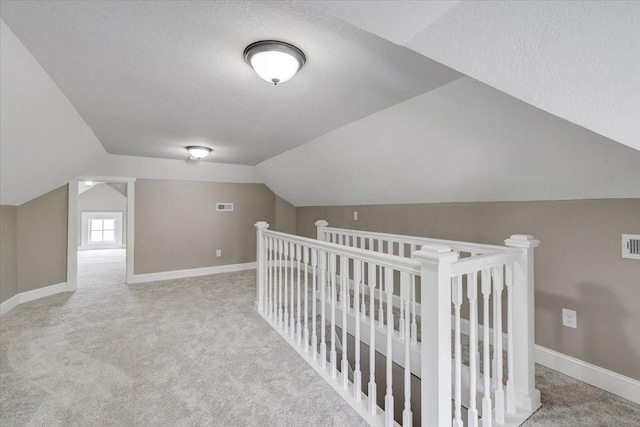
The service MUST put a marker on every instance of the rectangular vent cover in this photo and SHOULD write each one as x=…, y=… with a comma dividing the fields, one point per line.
x=226, y=207
x=631, y=246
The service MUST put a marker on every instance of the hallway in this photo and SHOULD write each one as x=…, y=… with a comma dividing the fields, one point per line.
x=102, y=267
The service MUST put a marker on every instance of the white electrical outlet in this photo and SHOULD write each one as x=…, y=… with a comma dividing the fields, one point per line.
x=219, y=252
x=355, y=215
x=569, y=318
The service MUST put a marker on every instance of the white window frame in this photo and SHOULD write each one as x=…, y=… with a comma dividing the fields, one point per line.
x=87, y=217
x=102, y=230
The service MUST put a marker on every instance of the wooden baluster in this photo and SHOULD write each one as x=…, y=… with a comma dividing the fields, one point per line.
x=486, y=358
x=407, y=414
x=305, y=260
x=472, y=295
x=292, y=325
x=267, y=260
x=339, y=292
x=456, y=296
x=357, y=378
x=401, y=329
x=272, y=301
x=299, y=308
x=498, y=396
x=332, y=352
x=388, y=401
x=381, y=281
x=283, y=277
x=511, y=393
x=363, y=307
x=280, y=284
x=314, y=337
x=274, y=279
x=373, y=405
x=344, y=272
x=478, y=365
x=323, y=303
x=333, y=238
x=494, y=359
x=414, y=325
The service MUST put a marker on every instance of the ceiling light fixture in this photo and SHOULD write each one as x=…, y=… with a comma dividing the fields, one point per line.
x=197, y=152
x=274, y=61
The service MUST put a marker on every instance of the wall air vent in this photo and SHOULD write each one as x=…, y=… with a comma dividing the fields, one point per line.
x=224, y=207
x=631, y=246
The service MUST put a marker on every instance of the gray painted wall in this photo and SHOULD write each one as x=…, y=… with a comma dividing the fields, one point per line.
x=578, y=265
x=177, y=226
x=8, y=252
x=42, y=240
x=285, y=216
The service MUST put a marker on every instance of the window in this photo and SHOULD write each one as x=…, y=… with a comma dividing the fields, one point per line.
x=102, y=230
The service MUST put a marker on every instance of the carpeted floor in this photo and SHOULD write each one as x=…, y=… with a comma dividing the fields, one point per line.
x=194, y=352
x=102, y=267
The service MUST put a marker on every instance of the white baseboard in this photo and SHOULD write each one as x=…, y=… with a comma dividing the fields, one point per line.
x=9, y=304
x=591, y=374
x=194, y=272
x=586, y=372
x=35, y=294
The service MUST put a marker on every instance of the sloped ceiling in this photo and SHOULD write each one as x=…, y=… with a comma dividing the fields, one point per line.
x=44, y=143
x=579, y=60
x=153, y=77
x=457, y=139
x=463, y=142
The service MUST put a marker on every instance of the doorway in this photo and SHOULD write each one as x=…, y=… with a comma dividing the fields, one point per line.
x=100, y=244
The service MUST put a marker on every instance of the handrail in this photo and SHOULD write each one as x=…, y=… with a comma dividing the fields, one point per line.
x=406, y=265
x=302, y=283
x=482, y=262
x=413, y=240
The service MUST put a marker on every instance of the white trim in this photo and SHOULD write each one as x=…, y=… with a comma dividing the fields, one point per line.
x=72, y=235
x=194, y=272
x=596, y=376
x=72, y=226
x=105, y=178
x=131, y=195
x=34, y=294
x=591, y=374
x=9, y=304
x=346, y=393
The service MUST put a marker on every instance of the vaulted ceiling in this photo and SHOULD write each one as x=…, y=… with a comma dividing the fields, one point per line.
x=381, y=112
x=150, y=78
x=579, y=60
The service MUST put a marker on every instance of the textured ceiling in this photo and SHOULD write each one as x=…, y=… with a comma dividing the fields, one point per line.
x=150, y=78
x=44, y=143
x=463, y=142
x=579, y=60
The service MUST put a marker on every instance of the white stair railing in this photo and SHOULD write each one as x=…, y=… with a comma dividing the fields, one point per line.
x=349, y=277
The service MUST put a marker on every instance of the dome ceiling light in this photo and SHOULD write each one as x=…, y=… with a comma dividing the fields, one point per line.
x=274, y=61
x=197, y=152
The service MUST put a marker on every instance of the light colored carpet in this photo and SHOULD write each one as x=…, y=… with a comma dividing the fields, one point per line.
x=194, y=352
x=186, y=352
x=102, y=267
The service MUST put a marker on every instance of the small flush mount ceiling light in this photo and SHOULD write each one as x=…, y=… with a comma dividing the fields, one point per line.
x=197, y=152
x=274, y=61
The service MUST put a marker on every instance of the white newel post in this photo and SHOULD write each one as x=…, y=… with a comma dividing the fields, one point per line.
x=321, y=224
x=436, y=333
x=261, y=261
x=527, y=396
